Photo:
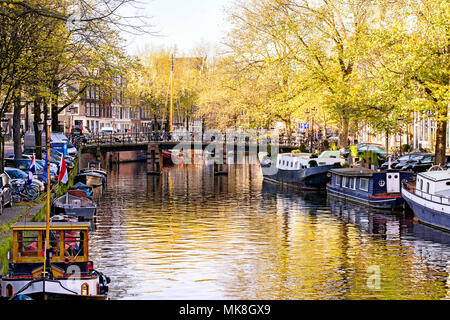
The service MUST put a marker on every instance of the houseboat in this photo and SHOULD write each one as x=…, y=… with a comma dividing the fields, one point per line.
x=429, y=198
x=65, y=272
x=301, y=172
x=377, y=189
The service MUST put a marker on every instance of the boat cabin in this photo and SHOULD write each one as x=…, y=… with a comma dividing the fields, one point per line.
x=297, y=161
x=68, y=244
x=379, y=189
x=433, y=183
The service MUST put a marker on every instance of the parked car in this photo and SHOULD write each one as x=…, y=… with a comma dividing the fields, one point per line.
x=417, y=162
x=374, y=147
x=17, y=174
x=5, y=191
x=404, y=160
x=24, y=165
x=55, y=157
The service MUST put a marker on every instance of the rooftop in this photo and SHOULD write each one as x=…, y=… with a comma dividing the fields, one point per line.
x=436, y=175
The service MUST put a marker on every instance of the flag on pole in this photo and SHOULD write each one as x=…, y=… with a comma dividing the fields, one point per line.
x=63, y=177
x=32, y=170
x=44, y=173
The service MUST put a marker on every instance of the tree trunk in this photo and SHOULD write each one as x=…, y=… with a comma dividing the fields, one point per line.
x=343, y=134
x=54, y=106
x=441, y=138
x=37, y=133
x=387, y=141
x=16, y=127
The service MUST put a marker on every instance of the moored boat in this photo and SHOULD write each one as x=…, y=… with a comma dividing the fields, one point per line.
x=75, y=203
x=429, y=198
x=376, y=189
x=301, y=172
x=90, y=178
x=65, y=272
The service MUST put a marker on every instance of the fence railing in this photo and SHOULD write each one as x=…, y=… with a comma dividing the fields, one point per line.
x=440, y=199
x=164, y=136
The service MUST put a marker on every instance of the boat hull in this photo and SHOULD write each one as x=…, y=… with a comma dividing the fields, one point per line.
x=377, y=202
x=60, y=289
x=90, y=180
x=315, y=178
x=432, y=213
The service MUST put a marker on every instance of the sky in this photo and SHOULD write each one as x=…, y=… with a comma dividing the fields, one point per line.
x=184, y=23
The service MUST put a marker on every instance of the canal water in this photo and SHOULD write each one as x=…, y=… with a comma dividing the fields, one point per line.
x=191, y=235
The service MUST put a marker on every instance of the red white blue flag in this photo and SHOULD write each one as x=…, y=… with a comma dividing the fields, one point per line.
x=32, y=170
x=63, y=176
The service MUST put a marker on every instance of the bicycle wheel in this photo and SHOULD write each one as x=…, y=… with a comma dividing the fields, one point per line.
x=31, y=192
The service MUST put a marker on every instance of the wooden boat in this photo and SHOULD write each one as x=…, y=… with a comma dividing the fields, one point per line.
x=75, y=203
x=376, y=189
x=90, y=178
x=65, y=272
x=300, y=171
x=429, y=198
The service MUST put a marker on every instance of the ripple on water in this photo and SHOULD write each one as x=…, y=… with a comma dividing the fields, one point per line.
x=189, y=235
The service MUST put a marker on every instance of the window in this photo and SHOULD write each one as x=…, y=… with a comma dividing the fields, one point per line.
x=74, y=243
x=421, y=185
x=338, y=180
x=352, y=183
x=28, y=243
x=344, y=182
x=428, y=187
x=364, y=184
x=54, y=243
x=9, y=290
x=84, y=289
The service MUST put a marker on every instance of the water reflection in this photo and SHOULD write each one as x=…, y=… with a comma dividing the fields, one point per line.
x=188, y=234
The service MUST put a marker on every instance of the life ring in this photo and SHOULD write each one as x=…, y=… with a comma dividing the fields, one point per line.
x=381, y=183
x=436, y=168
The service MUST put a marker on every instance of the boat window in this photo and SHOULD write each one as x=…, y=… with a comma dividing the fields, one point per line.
x=364, y=184
x=28, y=243
x=338, y=180
x=428, y=187
x=421, y=185
x=292, y=164
x=74, y=243
x=352, y=183
x=9, y=290
x=448, y=183
x=54, y=244
x=344, y=182
x=84, y=289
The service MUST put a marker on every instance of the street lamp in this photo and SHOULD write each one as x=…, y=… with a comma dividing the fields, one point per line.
x=4, y=127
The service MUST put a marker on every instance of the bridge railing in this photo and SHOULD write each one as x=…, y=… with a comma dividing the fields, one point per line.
x=164, y=136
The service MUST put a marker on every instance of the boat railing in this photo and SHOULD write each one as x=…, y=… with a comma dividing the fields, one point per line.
x=440, y=199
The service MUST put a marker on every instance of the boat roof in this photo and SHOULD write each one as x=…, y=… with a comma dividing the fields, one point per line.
x=436, y=176
x=363, y=172
x=53, y=226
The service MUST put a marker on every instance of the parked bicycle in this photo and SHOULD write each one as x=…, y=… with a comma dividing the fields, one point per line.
x=22, y=190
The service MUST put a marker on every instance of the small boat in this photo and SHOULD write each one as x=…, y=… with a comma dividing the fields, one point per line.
x=429, y=198
x=95, y=166
x=65, y=272
x=83, y=187
x=300, y=171
x=90, y=178
x=75, y=203
x=376, y=189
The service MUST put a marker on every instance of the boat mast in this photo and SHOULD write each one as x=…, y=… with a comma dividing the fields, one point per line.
x=47, y=229
x=171, y=93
